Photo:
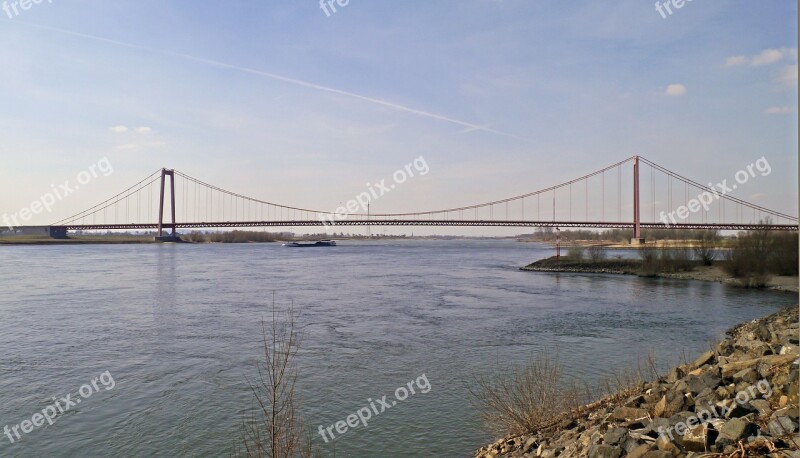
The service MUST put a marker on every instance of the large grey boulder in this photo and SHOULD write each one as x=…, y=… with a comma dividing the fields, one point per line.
x=737, y=429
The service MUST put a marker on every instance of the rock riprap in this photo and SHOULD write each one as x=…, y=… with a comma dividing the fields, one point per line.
x=741, y=399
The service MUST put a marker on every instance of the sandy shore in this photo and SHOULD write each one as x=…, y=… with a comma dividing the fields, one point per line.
x=716, y=274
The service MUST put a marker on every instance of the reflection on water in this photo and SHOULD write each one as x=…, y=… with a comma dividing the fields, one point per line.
x=179, y=327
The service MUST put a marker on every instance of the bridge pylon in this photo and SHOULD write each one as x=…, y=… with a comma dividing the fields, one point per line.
x=173, y=237
x=637, y=220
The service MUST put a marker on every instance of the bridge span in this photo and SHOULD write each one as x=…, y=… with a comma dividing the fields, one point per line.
x=430, y=223
x=596, y=200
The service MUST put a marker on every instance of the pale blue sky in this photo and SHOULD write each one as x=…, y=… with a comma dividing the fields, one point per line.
x=564, y=88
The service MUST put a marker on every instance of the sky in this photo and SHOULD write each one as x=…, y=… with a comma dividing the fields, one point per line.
x=297, y=104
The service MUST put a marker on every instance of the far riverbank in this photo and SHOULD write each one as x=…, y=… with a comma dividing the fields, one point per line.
x=713, y=273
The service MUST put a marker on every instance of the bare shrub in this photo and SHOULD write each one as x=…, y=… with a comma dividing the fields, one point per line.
x=784, y=254
x=657, y=260
x=757, y=254
x=229, y=237
x=274, y=428
x=706, y=248
x=537, y=396
x=523, y=399
x=665, y=260
x=194, y=237
x=240, y=237
x=575, y=253
x=597, y=253
x=749, y=259
x=676, y=260
x=650, y=260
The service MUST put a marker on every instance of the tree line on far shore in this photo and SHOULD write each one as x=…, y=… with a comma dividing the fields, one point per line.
x=751, y=257
x=548, y=234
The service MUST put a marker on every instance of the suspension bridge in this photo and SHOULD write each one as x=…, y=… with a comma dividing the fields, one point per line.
x=634, y=194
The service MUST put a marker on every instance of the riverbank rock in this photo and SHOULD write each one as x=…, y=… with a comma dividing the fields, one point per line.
x=741, y=399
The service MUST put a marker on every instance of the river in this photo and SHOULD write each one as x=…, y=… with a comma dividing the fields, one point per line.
x=178, y=328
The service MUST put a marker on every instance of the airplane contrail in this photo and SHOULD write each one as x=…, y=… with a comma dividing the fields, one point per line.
x=470, y=127
x=473, y=129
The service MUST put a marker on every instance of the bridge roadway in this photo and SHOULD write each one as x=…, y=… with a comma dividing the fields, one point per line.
x=433, y=223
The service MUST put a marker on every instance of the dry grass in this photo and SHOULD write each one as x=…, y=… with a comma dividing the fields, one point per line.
x=630, y=379
x=537, y=396
x=519, y=400
x=522, y=399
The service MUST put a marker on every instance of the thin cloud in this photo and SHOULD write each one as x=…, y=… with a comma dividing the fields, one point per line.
x=788, y=76
x=121, y=129
x=768, y=56
x=778, y=110
x=765, y=57
x=675, y=90
x=736, y=60
x=285, y=79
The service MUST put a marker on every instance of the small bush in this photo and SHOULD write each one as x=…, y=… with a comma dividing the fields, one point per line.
x=229, y=237
x=650, y=261
x=665, y=261
x=784, y=254
x=677, y=260
x=597, y=253
x=537, y=395
x=523, y=399
x=575, y=253
x=706, y=247
x=194, y=237
x=669, y=260
x=755, y=255
x=749, y=258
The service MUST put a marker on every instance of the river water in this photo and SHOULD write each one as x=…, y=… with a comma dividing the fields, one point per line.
x=178, y=328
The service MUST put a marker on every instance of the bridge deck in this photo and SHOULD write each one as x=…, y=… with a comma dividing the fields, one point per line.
x=437, y=223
